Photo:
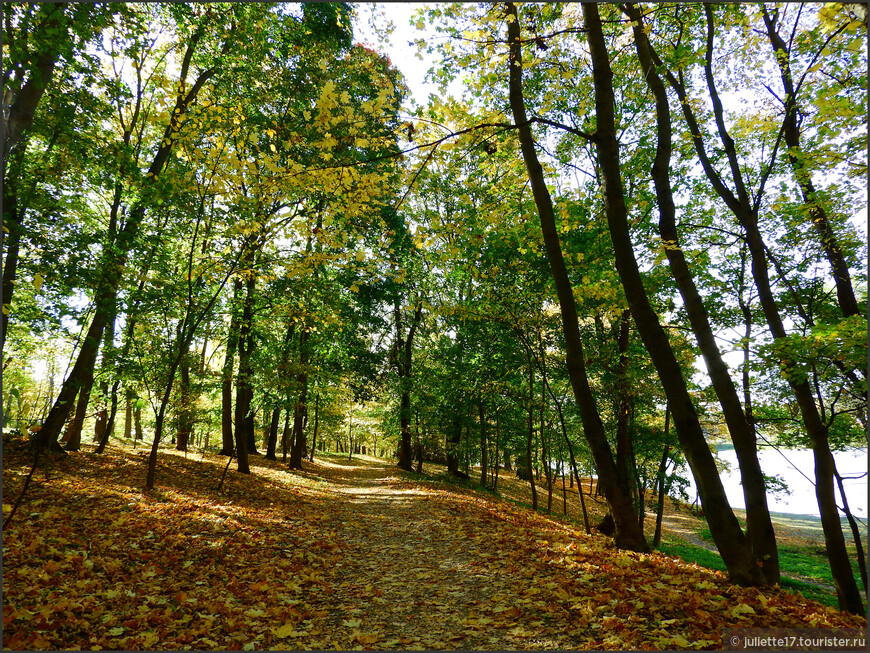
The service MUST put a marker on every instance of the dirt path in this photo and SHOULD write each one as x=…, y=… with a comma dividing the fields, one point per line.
x=415, y=570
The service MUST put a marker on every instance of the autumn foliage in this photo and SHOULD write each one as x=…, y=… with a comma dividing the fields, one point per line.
x=346, y=554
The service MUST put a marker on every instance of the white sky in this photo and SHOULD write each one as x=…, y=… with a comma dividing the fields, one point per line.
x=403, y=55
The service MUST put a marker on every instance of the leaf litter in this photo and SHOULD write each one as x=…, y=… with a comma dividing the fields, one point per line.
x=348, y=554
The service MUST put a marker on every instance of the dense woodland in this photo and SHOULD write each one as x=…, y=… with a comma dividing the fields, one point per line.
x=632, y=234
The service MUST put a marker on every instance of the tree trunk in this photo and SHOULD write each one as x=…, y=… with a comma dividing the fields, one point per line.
x=660, y=477
x=128, y=413
x=530, y=436
x=622, y=408
x=137, y=421
x=759, y=526
x=272, y=440
x=404, y=349
x=227, y=444
x=316, y=427
x=627, y=534
x=285, y=437
x=185, y=414
x=73, y=435
x=484, y=454
x=301, y=408
x=733, y=545
x=243, y=379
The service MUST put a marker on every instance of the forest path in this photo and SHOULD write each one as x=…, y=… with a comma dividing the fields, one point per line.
x=421, y=569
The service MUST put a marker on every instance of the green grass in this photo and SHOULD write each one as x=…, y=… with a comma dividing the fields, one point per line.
x=803, y=561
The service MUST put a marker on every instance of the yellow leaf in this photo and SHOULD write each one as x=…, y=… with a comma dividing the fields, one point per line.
x=352, y=623
x=283, y=631
x=37, y=281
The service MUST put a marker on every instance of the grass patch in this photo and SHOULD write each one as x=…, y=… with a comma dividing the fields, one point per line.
x=690, y=553
x=802, y=561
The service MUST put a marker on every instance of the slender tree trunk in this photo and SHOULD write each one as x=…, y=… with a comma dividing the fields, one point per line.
x=856, y=532
x=272, y=439
x=106, y=365
x=495, y=458
x=733, y=545
x=185, y=414
x=301, y=407
x=285, y=436
x=545, y=453
x=110, y=423
x=404, y=349
x=128, y=413
x=531, y=433
x=228, y=446
x=627, y=534
x=660, y=477
x=243, y=379
x=622, y=408
x=137, y=421
x=316, y=427
x=484, y=454
x=759, y=526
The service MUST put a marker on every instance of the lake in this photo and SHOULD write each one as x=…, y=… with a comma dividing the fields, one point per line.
x=791, y=465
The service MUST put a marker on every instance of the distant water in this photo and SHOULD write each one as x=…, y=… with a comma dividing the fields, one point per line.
x=791, y=465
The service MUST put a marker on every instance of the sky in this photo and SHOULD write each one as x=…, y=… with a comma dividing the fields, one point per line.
x=403, y=55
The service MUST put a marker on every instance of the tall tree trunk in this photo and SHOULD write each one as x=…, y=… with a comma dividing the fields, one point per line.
x=316, y=427
x=733, y=545
x=137, y=421
x=106, y=366
x=185, y=409
x=301, y=408
x=484, y=454
x=227, y=445
x=404, y=349
x=285, y=436
x=758, y=523
x=73, y=434
x=243, y=379
x=627, y=534
x=530, y=434
x=660, y=478
x=622, y=408
x=128, y=413
x=272, y=440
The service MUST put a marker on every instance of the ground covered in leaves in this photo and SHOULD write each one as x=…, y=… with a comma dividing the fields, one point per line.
x=346, y=554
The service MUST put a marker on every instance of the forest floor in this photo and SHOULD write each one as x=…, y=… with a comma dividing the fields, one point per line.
x=345, y=554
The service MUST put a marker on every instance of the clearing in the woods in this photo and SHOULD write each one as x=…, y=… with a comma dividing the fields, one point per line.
x=350, y=553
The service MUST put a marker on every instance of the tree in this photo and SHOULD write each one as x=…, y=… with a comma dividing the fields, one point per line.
x=628, y=534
